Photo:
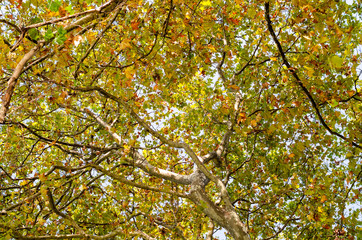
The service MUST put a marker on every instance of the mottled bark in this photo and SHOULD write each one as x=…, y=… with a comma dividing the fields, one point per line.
x=225, y=217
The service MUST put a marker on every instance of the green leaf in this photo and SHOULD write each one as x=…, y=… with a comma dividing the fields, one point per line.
x=35, y=20
x=69, y=8
x=48, y=35
x=334, y=103
x=60, y=38
x=336, y=61
x=54, y=5
x=61, y=31
x=7, y=236
x=34, y=33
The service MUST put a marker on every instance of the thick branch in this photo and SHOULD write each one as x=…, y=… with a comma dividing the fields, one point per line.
x=197, y=160
x=134, y=184
x=13, y=79
x=225, y=217
x=140, y=161
x=20, y=66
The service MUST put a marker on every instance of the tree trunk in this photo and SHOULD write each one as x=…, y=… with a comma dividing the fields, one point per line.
x=227, y=218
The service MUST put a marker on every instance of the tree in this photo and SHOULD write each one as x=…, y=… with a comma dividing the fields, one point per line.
x=171, y=119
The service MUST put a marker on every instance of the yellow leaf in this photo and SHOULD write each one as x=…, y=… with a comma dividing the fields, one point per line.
x=253, y=123
x=314, y=49
x=310, y=71
x=138, y=104
x=258, y=118
x=38, y=70
x=234, y=87
x=242, y=115
x=127, y=148
x=336, y=61
x=251, y=12
x=8, y=236
x=225, y=109
x=323, y=39
x=22, y=183
x=41, y=221
x=338, y=31
x=205, y=4
x=125, y=44
x=272, y=128
x=129, y=72
x=212, y=48
x=324, y=198
x=273, y=59
x=43, y=191
x=42, y=177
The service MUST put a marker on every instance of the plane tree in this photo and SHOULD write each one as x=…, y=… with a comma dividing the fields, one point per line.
x=173, y=119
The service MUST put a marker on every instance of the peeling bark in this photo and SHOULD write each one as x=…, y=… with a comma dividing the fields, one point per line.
x=227, y=218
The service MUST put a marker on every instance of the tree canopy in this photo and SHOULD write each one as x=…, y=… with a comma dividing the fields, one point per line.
x=173, y=119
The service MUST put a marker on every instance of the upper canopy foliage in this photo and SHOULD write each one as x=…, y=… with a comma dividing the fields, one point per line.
x=169, y=119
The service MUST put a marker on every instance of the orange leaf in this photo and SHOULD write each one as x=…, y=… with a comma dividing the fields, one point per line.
x=326, y=226
x=128, y=83
x=324, y=198
x=134, y=25
x=234, y=87
x=253, y=123
x=350, y=93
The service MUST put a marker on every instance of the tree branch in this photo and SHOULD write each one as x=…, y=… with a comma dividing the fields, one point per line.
x=20, y=66
x=134, y=184
x=13, y=79
x=299, y=82
x=59, y=213
x=139, y=160
x=96, y=41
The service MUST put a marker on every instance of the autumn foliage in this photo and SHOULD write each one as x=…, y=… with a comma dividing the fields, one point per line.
x=173, y=119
